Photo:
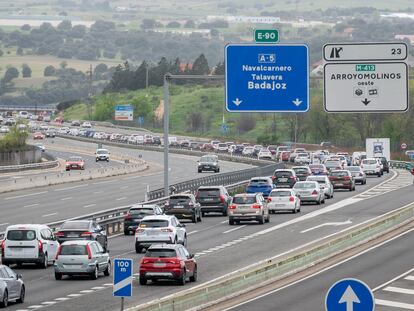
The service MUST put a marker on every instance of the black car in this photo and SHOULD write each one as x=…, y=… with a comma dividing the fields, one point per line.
x=208, y=163
x=156, y=140
x=82, y=230
x=50, y=133
x=302, y=172
x=385, y=164
x=283, y=178
x=183, y=206
x=135, y=214
x=213, y=199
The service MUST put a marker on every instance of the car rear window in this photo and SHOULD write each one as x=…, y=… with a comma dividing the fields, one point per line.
x=21, y=235
x=244, y=200
x=332, y=163
x=73, y=250
x=154, y=223
x=304, y=186
x=353, y=168
x=369, y=162
x=283, y=174
x=339, y=174
x=259, y=182
x=161, y=253
x=316, y=167
x=319, y=180
x=301, y=170
x=141, y=211
x=180, y=200
x=80, y=225
x=203, y=193
x=280, y=194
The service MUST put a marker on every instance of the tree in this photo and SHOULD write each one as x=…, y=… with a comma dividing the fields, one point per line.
x=26, y=27
x=102, y=26
x=245, y=123
x=148, y=23
x=173, y=24
x=190, y=24
x=1, y=53
x=49, y=71
x=26, y=71
x=195, y=121
x=65, y=26
x=219, y=70
x=99, y=71
x=19, y=51
x=63, y=64
x=78, y=31
x=11, y=73
x=200, y=66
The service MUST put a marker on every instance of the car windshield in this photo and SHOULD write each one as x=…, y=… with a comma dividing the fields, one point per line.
x=180, y=200
x=302, y=170
x=305, y=185
x=280, y=194
x=141, y=211
x=353, y=168
x=369, y=162
x=78, y=225
x=318, y=180
x=154, y=223
x=21, y=235
x=202, y=193
x=161, y=253
x=259, y=182
x=339, y=174
x=316, y=167
x=283, y=174
x=102, y=151
x=244, y=200
x=73, y=250
x=332, y=164
x=208, y=159
x=75, y=159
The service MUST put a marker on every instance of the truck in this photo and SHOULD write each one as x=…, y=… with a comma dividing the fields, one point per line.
x=378, y=147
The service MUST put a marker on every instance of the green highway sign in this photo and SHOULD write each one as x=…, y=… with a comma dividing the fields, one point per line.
x=365, y=67
x=266, y=35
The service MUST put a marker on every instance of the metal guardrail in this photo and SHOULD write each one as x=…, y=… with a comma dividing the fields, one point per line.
x=402, y=165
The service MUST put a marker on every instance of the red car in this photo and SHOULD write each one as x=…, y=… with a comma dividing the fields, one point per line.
x=38, y=135
x=75, y=163
x=207, y=147
x=342, y=179
x=285, y=156
x=167, y=262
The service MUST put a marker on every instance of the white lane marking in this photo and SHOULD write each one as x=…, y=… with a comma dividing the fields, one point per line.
x=65, y=199
x=123, y=254
x=234, y=229
x=335, y=224
x=119, y=199
x=224, y=222
x=62, y=299
x=90, y=205
x=48, y=215
x=35, y=307
x=25, y=195
x=105, y=182
x=48, y=303
x=74, y=295
x=410, y=278
x=98, y=288
x=399, y=290
x=317, y=273
x=393, y=280
x=70, y=188
x=4, y=224
x=108, y=284
x=124, y=187
x=98, y=192
x=189, y=233
x=394, y=304
x=31, y=205
x=86, y=291
x=115, y=235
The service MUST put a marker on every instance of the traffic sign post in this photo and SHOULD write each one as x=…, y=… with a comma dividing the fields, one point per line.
x=267, y=78
x=349, y=295
x=266, y=36
x=366, y=77
x=124, y=113
x=123, y=277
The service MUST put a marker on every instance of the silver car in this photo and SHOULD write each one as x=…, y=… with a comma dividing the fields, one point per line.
x=82, y=258
x=309, y=191
x=324, y=183
x=248, y=206
x=11, y=287
x=358, y=174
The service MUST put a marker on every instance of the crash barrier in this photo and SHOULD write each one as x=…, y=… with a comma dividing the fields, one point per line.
x=402, y=165
x=273, y=269
x=50, y=163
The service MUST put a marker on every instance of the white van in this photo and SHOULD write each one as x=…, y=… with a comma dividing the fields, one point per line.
x=23, y=115
x=29, y=244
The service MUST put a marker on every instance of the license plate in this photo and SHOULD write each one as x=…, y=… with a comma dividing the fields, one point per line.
x=207, y=166
x=209, y=200
x=338, y=184
x=72, y=236
x=279, y=205
x=179, y=206
x=152, y=232
x=316, y=172
x=283, y=179
x=160, y=264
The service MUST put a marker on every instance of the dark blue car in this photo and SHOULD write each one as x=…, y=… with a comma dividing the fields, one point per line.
x=260, y=185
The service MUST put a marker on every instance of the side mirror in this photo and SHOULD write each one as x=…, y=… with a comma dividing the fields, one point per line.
x=19, y=276
x=182, y=226
x=191, y=256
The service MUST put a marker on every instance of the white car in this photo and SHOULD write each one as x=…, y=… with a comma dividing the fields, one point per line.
x=4, y=129
x=324, y=183
x=264, y=154
x=309, y=191
x=41, y=147
x=29, y=244
x=247, y=151
x=371, y=166
x=159, y=229
x=283, y=200
x=302, y=158
x=87, y=124
x=74, y=132
x=64, y=130
x=102, y=155
x=222, y=147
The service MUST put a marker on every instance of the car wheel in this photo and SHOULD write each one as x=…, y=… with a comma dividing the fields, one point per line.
x=294, y=210
x=379, y=174
x=142, y=281
x=231, y=222
x=199, y=217
x=126, y=232
x=193, y=278
x=318, y=202
x=22, y=295
x=138, y=248
x=199, y=171
x=225, y=212
x=95, y=274
x=268, y=218
x=45, y=262
x=184, y=243
x=182, y=279
x=5, y=302
x=58, y=276
x=323, y=201
x=203, y=214
x=107, y=271
x=261, y=220
x=194, y=218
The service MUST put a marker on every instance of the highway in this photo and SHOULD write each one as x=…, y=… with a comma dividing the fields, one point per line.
x=221, y=249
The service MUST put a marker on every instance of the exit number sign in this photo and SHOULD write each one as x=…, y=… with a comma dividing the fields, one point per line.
x=266, y=35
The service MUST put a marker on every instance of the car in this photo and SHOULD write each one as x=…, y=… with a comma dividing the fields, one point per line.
x=309, y=191
x=159, y=229
x=82, y=258
x=207, y=147
x=12, y=287
x=302, y=172
x=75, y=163
x=102, y=155
x=264, y=154
x=215, y=143
x=208, y=163
x=283, y=200
x=248, y=151
x=22, y=127
x=63, y=130
x=238, y=150
x=371, y=166
x=183, y=206
x=87, y=124
x=1, y=119
x=4, y=129
x=358, y=174
x=247, y=207
x=50, y=133
x=183, y=143
x=284, y=178
x=295, y=153
x=10, y=121
x=256, y=150
x=302, y=158
x=167, y=262
x=324, y=183
x=156, y=140
x=333, y=165
x=82, y=230
x=261, y=185
x=136, y=213
x=75, y=123
x=385, y=164
x=222, y=147
x=213, y=199
x=38, y=136
x=318, y=169
x=284, y=156
x=46, y=119
x=342, y=179
x=40, y=146
x=29, y=243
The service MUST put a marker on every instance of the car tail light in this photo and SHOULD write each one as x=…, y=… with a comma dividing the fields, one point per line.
x=256, y=206
x=273, y=177
x=128, y=217
x=360, y=174
x=86, y=234
x=88, y=249
x=269, y=199
x=222, y=199
x=40, y=244
x=292, y=177
x=58, y=252
x=167, y=230
x=347, y=178
x=139, y=230
x=292, y=199
x=59, y=234
x=233, y=206
x=314, y=192
x=174, y=262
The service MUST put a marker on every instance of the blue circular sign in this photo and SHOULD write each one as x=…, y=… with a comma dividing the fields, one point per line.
x=349, y=295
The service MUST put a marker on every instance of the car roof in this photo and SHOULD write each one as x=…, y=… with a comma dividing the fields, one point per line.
x=26, y=226
x=158, y=217
x=246, y=194
x=210, y=187
x=78, y=242
x=165, y=246
x=305, y=182
x=139, y=206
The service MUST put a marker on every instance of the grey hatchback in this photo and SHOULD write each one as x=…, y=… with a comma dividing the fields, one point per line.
x=11, y=286
x=82, y=258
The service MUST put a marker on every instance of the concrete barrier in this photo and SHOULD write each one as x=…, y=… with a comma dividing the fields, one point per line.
x=272, y=269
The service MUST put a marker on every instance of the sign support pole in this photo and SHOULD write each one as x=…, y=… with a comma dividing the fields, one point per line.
x=122, y=303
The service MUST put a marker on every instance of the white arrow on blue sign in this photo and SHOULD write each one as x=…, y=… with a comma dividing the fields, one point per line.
x=267, y=78
x=123, y=277
x=349, y=295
